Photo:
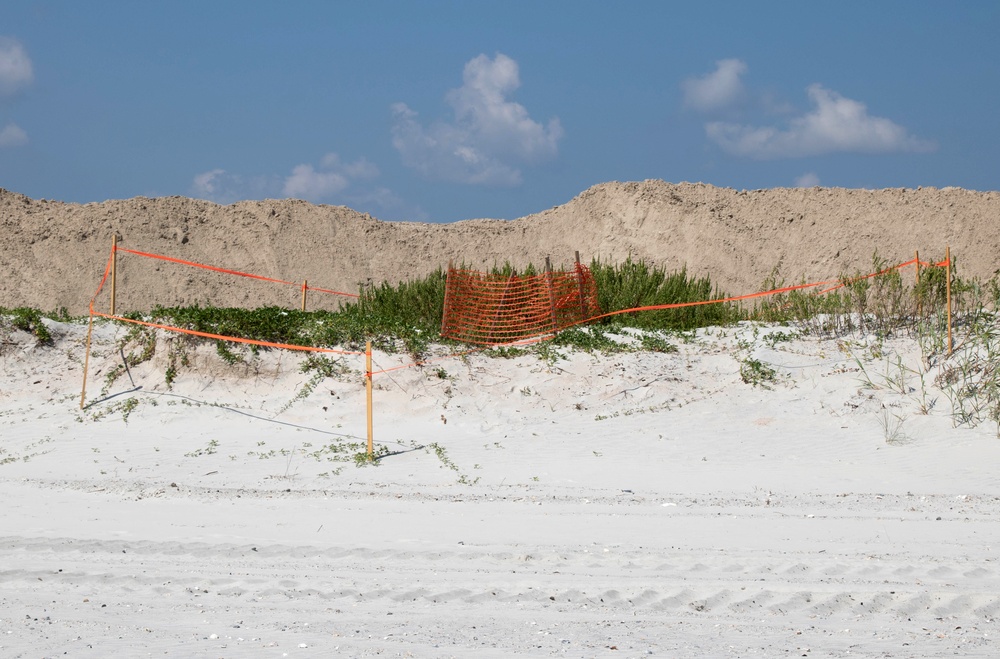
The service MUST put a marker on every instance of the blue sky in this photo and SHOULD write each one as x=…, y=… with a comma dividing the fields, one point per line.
x=440, y=111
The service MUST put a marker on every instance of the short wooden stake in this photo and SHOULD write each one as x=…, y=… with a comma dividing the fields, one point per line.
x=114, y=269
x=916, y=281
x=368, y=394
x=86, y=362
x=947, y=261
x=305, y=287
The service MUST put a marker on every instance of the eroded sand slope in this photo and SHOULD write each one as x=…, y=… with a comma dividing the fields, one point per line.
x=53, y=254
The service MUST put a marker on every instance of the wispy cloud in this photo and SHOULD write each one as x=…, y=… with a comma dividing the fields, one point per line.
x=488, y=138
x=807, y=180
x=332, y=180
x=222, y=187
x=717, y=90
x=307, y=183
x=835, y=124
x=16, y=71
x=333, y=177
x=12, y=135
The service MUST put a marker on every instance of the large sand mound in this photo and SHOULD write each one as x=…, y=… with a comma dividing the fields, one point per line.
x=54, y=253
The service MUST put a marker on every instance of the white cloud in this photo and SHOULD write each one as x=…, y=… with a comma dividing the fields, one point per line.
x=219, y=186
x=836, y=124
x=717, y=90
x=333, y=177
x=312, y=183
x=489, y=136
x=306, y=183
x=331, y=181
x=807, y=180
x=361, y=168
x=16, y=71
x=12, y=135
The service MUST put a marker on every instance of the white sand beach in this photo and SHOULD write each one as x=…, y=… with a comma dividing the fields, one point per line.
x=626, y=505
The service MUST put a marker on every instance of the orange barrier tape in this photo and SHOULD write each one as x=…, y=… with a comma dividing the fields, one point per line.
x=107, y=271
x=193, y=264
x=222, y=337
x=845, y=282
x=785, y=289
x=326, y=290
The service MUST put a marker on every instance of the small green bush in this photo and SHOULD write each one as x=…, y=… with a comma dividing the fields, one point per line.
x=28, y=320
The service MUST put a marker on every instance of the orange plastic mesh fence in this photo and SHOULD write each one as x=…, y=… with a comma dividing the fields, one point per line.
x=496, y=309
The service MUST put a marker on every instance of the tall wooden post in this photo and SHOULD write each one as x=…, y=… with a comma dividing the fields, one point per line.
x=114, y=270
x=446, y=315
x=552, y=294
x=368, y=395
x=579, y=286
x=305, y=287
x=947, y=261
x=86, y=359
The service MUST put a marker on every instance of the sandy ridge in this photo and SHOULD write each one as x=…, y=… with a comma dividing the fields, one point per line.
x=54, y=253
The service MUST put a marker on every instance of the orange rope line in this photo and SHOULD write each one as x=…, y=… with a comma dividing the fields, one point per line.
x=785, y=289
x=194, y=264
x=222, y=337
x=107, y=271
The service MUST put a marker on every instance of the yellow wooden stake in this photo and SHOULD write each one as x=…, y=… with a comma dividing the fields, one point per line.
x=114, y=268
x=305, y=287
x=86, y=362
x=947, y=260
x=368, y=393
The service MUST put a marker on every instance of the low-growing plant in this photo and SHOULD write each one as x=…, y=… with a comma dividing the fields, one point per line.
x=27, y=320
x=656, y=343
x=210, y=449
x=757, y=373
x=892, y=426
x=971, y=377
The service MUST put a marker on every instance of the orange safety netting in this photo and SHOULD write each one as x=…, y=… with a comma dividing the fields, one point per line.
x=495, y=309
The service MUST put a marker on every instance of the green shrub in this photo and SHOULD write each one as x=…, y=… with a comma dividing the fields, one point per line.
x=28, y=320
x=635, y=284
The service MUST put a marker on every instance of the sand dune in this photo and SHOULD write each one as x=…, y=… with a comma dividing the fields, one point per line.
x=54, y=253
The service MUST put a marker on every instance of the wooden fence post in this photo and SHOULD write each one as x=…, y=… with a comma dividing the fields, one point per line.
x=552, y=294
x=947, y=261
x=368, y=395
x=446, y=315
x=579, y=286
x=114, y=269
x=86, y=358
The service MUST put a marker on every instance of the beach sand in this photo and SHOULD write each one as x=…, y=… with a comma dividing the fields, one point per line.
x=626, y=505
